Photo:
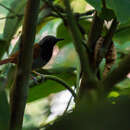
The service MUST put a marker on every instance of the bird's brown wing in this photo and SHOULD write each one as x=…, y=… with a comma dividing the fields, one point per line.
x=36, y=51
x=14, y=57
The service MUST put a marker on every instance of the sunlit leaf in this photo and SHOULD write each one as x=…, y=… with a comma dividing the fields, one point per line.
x=97, y=4
x=12, y=25
x=63, y=32
x=78, y=5
x=50, y=87
x=122, y=34
x=66, y=58
x=120, y=7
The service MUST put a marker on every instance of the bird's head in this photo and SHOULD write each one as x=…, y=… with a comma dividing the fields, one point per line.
x=49, y=41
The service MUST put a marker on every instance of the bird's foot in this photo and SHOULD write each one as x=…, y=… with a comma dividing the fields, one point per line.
x=35, y=80
x=42, y=77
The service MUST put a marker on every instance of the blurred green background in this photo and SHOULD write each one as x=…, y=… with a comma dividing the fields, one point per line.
x=64, y=63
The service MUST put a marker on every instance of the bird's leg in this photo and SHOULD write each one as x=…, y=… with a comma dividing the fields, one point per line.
x=34, y=79
x=41, y=75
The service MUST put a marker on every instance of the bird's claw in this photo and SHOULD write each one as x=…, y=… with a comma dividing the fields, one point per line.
x=42, y=78
x=35, y=80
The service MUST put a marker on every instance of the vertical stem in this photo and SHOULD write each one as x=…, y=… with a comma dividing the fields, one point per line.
x=19, y=90
x=104, y=3
x=77, y=38
x=95, y=31
x=89, y=77
x=118, y=74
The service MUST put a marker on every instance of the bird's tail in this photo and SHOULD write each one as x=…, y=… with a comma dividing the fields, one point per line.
x=9, y=60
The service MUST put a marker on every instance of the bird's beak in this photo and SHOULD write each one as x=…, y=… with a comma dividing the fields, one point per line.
x=59, y=39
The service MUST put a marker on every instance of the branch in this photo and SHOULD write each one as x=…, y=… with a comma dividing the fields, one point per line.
x=60, y=81
x=122, y=29
x=19, y=90
x=10, y=10
x=106, y=42
x=68, y=104
x=79, y=15
x=77, y=37
x=118, y=74
x=89, y=79
x=57, y=70
x=95, y=32
x=104, y=3
x=10, y=17
x=55, y=9
x=108, y=39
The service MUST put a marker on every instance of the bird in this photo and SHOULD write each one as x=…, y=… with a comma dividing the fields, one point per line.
x=42, y=52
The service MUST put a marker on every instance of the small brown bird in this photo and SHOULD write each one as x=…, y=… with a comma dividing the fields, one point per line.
x=42, y=52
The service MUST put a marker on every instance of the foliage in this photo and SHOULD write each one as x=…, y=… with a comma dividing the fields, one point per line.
x=78, y=62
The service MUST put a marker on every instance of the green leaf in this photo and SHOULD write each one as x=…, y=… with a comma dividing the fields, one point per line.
x=78, y=5
x=49, y=87
x=122, y=50
x=63, y=33
x=44, y=16
x=48, y=26
x=122, y=34
x=86, y=25
x=121, y=9
x=107, y=14
x=66, y=58
x=12, y=25
x=43, y=21
x=124, y=84
x=97, y=4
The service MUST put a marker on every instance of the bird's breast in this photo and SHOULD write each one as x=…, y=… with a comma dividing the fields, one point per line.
x=46, y=54
x=42, y=59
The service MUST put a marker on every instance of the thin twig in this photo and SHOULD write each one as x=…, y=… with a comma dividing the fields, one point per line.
x=104, y=3
x=68, y=104
x=89, y=77
x=62, y=82
x=59, y=70
x=10, y=10
x=86, y=17
x=55, y=9
x=95, y=32
x=58, y=80
x=122, y=29
x=108, y=39
x=10, y=17
x=77, y=37
x=88, y=13
x=118, y=74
